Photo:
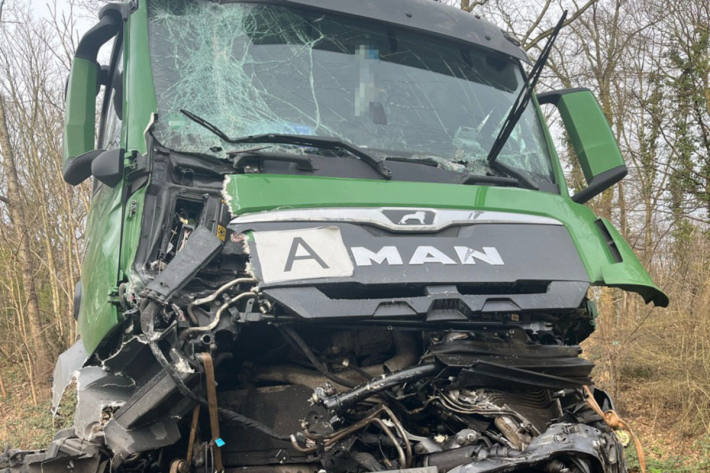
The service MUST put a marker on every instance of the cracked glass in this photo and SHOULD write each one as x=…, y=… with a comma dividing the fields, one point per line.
x=253, y=68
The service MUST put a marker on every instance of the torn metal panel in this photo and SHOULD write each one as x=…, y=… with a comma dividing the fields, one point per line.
x=228, y=193
x=99, y=395
x=199, y=249
x=65, y=453
x=127, y=417
x=125, y=443
x=65, y=370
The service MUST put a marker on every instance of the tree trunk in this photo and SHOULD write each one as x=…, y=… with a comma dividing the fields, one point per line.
x=22, y=232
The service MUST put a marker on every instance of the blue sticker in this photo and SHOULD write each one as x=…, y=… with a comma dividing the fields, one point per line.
x=219, y=442
x=301, y=129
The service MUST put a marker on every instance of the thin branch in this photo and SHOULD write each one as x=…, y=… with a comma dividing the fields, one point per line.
x=467, y=6
x=549, y=31
x=537, y=21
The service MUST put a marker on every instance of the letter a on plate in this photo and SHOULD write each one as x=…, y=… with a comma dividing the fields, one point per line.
x=308, y=253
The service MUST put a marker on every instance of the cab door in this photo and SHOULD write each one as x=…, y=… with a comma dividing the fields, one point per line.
x=98, y=311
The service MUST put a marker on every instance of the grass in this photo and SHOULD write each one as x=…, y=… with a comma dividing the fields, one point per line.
x=672, y=463
x=24, y=425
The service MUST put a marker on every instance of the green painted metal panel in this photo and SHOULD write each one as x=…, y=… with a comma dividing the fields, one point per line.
x=104, y=261
x=554, y=158
x=100, y=267
x=260, y=192
x=140, y=105
x=249, y=193
x=139, y=92
x=589, y=133
x=79, y=118
x=629, y=274
x=132, y=229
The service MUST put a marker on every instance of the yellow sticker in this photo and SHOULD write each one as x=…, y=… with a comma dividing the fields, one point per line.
x=221, y=232
x=623, y=436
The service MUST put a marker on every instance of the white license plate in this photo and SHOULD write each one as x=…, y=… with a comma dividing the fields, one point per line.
x=308, y=253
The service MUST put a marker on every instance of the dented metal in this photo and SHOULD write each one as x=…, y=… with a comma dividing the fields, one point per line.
x=262, y=317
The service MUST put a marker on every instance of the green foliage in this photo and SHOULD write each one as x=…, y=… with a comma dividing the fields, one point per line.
x=27, y=426
x=671, y=464
x=23, y=424
x=688, y=63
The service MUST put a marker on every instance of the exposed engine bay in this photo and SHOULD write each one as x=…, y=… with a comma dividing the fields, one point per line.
x=394, y=368
x=304, y=398
x=381, y=399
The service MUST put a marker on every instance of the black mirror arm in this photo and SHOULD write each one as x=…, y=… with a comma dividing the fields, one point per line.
x=553, y=96
x=78, y=169
x=107, y=27
x=600, y=183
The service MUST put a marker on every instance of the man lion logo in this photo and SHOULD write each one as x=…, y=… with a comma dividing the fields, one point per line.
x=417, y=217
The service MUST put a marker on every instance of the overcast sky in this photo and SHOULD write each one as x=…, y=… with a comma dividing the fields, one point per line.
x=43, y=8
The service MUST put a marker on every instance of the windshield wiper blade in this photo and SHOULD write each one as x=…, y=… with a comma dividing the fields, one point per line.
x=246, y=158
x=317, y=142
x=321, y=142
x=476, y=179
x=405, y=159
x=521, y=102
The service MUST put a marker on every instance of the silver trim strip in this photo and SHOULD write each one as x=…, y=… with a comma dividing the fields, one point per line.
x=443, y=218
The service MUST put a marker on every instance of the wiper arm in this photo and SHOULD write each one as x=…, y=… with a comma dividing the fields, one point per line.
x=521, y=102
x=518, y=176
x=298, y=140
x=510, y=176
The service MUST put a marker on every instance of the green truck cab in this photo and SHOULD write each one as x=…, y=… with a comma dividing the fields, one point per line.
x=303, y=194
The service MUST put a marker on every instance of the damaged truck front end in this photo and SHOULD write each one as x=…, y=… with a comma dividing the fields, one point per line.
x=302, y=256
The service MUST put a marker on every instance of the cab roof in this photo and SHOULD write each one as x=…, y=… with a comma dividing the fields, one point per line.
x=424, y=15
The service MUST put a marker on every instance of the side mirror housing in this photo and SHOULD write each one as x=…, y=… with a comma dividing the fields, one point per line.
x=104, y=165
x=79, y=118
x=84, y=80
x=78, y=169
x=591, y=137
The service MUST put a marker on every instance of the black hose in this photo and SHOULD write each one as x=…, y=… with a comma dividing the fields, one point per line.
x=376, y=385
x=289, y=333
x=147, y=317
x=367, y=460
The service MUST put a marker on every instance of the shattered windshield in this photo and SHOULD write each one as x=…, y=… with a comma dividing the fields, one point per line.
x=255, y=68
